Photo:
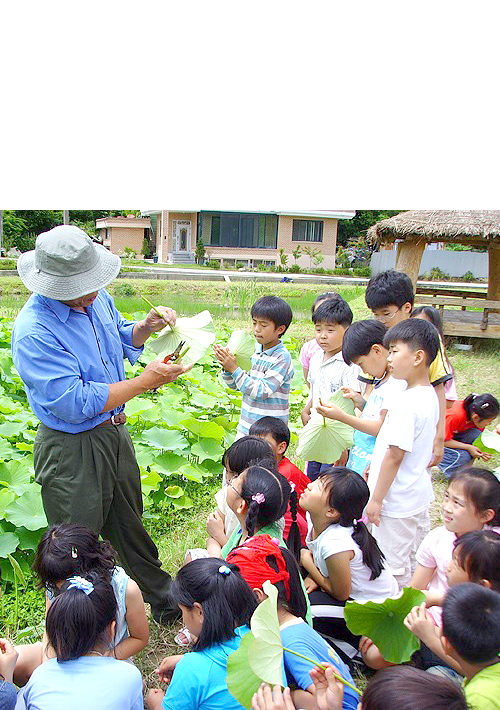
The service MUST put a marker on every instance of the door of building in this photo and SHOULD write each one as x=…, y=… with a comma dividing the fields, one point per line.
x=182, y=236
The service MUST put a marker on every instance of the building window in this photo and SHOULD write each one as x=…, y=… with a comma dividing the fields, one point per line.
x=238, y=230
x=306, y=230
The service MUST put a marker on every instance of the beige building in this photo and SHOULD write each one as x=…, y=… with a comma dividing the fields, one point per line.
x=249, y=238
x=119, y=233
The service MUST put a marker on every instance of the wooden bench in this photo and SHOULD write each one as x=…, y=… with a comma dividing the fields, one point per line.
x=458, y=321
x=436, y=292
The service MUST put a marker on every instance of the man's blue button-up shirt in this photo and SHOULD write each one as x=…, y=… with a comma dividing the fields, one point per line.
x=67, y=359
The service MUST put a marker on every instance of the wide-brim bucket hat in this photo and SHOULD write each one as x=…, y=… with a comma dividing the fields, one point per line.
x=66, y=264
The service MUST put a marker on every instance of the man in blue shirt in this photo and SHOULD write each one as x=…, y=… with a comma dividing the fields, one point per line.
x=68, y=345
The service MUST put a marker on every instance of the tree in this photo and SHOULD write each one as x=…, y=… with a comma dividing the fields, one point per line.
x=312, y=253
x=297, y=252
x=200, y=251
x=354, y=229
x=283, y=257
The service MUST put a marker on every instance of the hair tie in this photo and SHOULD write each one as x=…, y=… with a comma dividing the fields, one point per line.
x=484, y=405
x=74, y=553
x=275, y=541
x=80, y=583
x=363, y=519
x=259, y=498
x=292, y=486
x=224, y=569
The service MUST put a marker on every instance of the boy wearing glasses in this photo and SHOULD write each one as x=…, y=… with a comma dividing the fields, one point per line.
x=389, y=295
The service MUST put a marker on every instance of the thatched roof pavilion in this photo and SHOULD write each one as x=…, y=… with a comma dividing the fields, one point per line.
x=417, y=228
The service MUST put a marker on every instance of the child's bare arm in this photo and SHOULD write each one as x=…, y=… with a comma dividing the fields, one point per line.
x=420, y=623
x=306, y=413
x=388, y=471
x=307, y=562
x=215, y=528
x=137, y=623
x=438, y=446
x=367, y=426
x=213, y=548
x=339, y=574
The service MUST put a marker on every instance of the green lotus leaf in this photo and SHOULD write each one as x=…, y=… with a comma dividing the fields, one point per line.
x=266, y=659
x=207, y=449
x=489, y=442
x=138, y=405
x=6, y=450
x=6, y=498
x=182, y=503
x=169, y=439
x=174, y=491
x=242, y=682
x=15, y=475
x=204, y=428
x=191, y=472
x=149, y=481
x=27, y=511
x=382, y=622
x=11, y=429
x=168, y=463
x=28, y=539
x=324, y=439
x=8, y=543
x=203, y=400
x=242, y=345
x=198, y=332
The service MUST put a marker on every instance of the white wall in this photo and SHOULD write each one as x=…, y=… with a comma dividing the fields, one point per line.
x=453, y=263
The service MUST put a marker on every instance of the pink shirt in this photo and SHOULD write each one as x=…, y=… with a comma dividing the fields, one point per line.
x=307, y=351
x=436, y=550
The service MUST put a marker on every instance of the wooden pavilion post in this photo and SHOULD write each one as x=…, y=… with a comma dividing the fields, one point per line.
x=494, y=272
x=409, y=256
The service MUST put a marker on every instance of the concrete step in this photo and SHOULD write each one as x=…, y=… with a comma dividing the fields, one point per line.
x=183, y=257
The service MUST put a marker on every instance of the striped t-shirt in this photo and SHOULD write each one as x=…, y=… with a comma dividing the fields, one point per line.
x=265, y=389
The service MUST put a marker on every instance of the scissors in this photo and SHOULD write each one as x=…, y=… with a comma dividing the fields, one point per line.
x=175, y=356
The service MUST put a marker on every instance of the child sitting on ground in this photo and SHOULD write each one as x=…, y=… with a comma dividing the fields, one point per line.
x=328, y=372
x=266, y=388
x=311, y=347
x=465, y=421
x=277, y=434
x=222, y=523
x=216, y=605
x=389, y=295
x=343, y=559
x=471, y=635
x=66, y=550
x=260, y=559
x=80, y=626
x=400, y=486
x=259, y=498
x=364, y=346
x=471, y=503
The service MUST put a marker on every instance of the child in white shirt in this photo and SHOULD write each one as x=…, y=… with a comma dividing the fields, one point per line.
x=400, y=486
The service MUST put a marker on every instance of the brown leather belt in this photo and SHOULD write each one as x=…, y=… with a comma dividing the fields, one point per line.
x=116, y=419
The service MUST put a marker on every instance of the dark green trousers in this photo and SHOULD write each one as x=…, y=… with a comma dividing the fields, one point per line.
x=93, y=479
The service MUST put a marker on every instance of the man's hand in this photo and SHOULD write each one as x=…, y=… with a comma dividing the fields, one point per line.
x=225, y=358
x=373, y=510
x=154, y=323
x=157, y=374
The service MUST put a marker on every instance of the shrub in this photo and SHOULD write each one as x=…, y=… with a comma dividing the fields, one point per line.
x=200, y=251
x=240, y=265
x=283, y=257
x=342, y=271
x=8, y=264
x=129, y=253
x=214, y=264
x=437, y=274
x=319, y=270
x=262, y=267
x=342, y=258
x=468, y=276
x=124, y=290
x=294, y=269
x=362, y=271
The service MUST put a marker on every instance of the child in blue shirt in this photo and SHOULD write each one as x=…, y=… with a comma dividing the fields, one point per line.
x=363, y=345
x=216, y=605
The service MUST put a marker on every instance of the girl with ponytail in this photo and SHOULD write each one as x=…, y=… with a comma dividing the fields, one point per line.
x=80, y=626
x=343, y=559
x=259, y=498
x=465, y=421
x=216, y=605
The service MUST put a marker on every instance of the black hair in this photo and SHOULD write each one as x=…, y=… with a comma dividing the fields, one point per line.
x=274, y=309
x=417, y=334
x=433, y=316
x=67, y=549
x=244, y=451
x=348, y=493
x=77, y=621
x=333, y=311
x=478, y=553
x=471, y=622
x=407, y=688
x=273, y=426
x=275, y=490
x=484, y=405
x=226, y=599
x=327, y=296
x=295, y=602
x=360, y=337
x=389, y=288
x=293, y=541
x=482, y=488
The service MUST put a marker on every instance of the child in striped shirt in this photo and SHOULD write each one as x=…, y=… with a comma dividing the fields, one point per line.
x=266, y=387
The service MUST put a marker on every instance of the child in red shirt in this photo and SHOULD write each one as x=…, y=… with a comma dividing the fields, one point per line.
x=465, y=420
x=277, y=434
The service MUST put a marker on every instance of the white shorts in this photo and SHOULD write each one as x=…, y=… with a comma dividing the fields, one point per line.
x=399, y=540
